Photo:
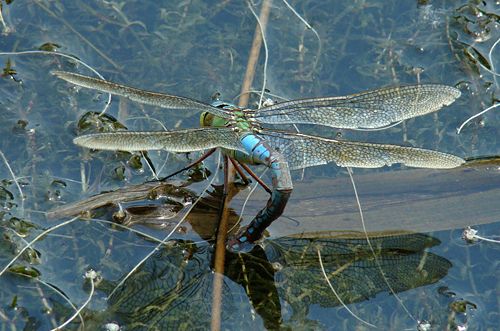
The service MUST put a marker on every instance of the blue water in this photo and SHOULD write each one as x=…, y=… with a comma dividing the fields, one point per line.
x=195, y=49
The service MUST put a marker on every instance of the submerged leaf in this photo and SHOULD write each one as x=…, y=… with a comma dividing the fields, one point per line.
x=474, y=54
x=24, y=270
x=49, y=47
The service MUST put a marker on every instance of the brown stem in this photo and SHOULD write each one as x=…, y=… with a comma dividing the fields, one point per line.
x=220, y=248
x=254, y=53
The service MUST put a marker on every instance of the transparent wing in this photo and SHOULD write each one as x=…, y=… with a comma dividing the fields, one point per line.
x=172, y=141
x=303, y=151
x=138, y=95
x=372, y=109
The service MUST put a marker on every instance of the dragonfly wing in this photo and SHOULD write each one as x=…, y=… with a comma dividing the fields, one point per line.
x=303, y=151
x=371, y=109
x=138, y=95
x=172, y=141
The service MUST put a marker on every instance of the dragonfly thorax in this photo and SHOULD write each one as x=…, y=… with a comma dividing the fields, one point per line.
x=239, y=120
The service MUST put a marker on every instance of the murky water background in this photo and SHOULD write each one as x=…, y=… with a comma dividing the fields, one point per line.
x=196, y=49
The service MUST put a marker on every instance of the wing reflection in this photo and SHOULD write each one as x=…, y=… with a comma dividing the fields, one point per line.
x=281, y=280
x=174, y=288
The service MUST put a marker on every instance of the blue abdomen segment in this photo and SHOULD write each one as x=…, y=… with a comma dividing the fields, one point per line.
x=259, y=152
x=256, y=148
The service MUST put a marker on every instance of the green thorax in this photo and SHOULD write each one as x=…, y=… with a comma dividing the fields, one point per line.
x=238, y=121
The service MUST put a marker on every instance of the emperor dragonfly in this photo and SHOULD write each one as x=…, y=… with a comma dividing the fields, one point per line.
x=242, y=136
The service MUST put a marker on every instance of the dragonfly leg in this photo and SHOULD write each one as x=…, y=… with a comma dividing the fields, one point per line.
x=238, y=169
x=254, y=176
x=282, y=189
x=203, y=157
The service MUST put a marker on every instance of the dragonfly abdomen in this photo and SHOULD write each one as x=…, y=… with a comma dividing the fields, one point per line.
x=260, y=152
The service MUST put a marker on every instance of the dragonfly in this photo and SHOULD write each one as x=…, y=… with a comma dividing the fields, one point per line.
x=248, y=136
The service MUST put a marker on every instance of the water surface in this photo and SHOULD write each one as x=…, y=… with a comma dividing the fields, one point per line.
x=199, y=48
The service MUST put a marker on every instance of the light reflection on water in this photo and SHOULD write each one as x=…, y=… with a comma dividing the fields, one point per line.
x=195, y=49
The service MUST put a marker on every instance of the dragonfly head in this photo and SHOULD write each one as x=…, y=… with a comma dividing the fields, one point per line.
x=207, y=119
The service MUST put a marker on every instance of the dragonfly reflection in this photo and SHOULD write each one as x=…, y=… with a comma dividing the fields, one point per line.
x=172, y=289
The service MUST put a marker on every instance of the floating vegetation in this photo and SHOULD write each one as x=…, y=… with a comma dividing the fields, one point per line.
x=474, y=36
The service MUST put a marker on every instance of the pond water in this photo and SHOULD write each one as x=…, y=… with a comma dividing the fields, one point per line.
x=199, y=49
